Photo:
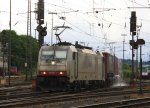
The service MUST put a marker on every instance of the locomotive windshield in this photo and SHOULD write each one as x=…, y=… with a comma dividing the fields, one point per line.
x=60, y=54
x=49, y=54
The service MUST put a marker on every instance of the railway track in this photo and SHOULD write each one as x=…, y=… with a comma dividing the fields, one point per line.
x=52, y=98
x=25, y=91
x=15, y=89
x=23, y=95
x=131, y=103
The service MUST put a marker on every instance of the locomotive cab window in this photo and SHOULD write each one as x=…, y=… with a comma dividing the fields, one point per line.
x=47, y=55
x=53, y=54
x=60, y=54
x=73, y=55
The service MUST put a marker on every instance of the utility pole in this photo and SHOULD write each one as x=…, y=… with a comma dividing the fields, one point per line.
x=28, y=46
x=123, y=49
x=52, y=13
x=9, y=48
x=123, y=44
x=29, y=41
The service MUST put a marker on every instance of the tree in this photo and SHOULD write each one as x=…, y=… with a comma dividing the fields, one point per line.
x=126, y=70
x=22, y=48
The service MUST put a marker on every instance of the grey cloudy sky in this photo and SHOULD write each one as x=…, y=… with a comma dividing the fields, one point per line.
x=94, y=22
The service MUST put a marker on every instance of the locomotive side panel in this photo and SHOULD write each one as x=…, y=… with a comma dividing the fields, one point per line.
x=101, y=69
x=86, y=67
x=72, y=64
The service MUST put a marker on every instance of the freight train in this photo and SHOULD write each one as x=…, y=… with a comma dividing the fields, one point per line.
x=64, y=66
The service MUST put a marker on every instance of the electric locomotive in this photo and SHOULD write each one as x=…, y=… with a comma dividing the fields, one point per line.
x=65, y=66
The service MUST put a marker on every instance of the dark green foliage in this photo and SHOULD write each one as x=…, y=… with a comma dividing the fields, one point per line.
x=127, y=70
x=23, y=49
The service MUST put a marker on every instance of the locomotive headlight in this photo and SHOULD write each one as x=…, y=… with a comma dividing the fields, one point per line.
x=60, y=73
x=44, y=73
x=53, y=62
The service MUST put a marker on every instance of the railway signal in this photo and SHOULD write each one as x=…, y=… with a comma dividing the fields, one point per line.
x=40, y=11
x=40, y=20
x=133, y=44
x=44, y=32
x=133, y=23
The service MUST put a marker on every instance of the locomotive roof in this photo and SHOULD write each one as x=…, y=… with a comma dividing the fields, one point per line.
x=100, y=53
x=73, y=48
x=84, y=50
x=88, y=51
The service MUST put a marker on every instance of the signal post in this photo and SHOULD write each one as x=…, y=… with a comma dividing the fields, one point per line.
x=133, y=43
x=40, y=20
